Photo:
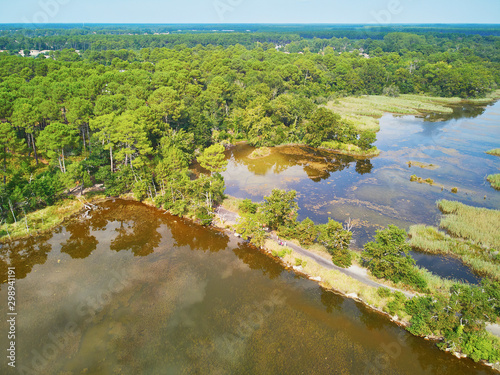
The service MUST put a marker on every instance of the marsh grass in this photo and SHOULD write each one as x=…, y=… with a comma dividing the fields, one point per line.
x=413, y=163
x=431, y=240
x=364, y=111
x=232, y=203
x=494, y=180
x=479, y=225
x=495, y=151
x=40, y=220
x=420, y=180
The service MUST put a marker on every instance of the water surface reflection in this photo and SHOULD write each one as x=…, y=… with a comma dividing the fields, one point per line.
x=376, y=192
x=173, y=297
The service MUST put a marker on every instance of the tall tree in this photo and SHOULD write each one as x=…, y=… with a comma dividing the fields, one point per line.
x=55, y=139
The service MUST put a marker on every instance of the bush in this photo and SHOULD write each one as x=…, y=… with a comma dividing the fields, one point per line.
x=282, y=253
x=384, y=292
x=280, y=209
x=336, y=240
x=392, y=91
x=341, y=258
x=420, y=309
x=300, y=262
x=306, y=231
x=478, y=345
x=366, y=139
x=204, y=215
x=397, y=304
x=246, y=206
x=388, y=257
x=140, y=190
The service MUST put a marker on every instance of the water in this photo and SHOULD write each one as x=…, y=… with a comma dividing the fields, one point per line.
x=376, y=192
x=135, y=291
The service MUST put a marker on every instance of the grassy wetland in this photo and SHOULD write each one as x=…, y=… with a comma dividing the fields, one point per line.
x=471, y=234
x=365, y=111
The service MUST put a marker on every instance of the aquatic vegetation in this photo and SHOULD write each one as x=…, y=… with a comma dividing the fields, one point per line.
x=420, y=180
x=494, y=180
x=480, y=225
x=363, y=111
x=476, y=238
x=454, y=190
x=431, y=166
x=495, y=151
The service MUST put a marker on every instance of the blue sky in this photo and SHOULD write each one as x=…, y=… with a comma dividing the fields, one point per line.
x=250, y=11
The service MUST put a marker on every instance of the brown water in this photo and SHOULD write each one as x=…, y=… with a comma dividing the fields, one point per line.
x=376, y=192
x=132, y=290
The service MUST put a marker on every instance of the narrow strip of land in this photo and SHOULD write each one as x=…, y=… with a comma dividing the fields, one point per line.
x=356, y=272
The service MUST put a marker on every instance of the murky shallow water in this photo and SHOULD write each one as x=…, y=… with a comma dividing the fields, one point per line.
x=136, y=291
x=377, y=192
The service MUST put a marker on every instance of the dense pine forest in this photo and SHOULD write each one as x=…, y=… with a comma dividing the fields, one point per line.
x=133, y=111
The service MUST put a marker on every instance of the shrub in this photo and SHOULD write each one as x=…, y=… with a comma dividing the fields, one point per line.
x=300, y=262
x=397, y=304
x=420, y=309
x=282, y=253
x=384, y=292
x=306, y=231
x=478, y=345
x=247, y=206
x=392, y=91
x=280, y=209
x=336, y=240
x=388, y=257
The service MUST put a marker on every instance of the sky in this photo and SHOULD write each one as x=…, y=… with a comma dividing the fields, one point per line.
x=250, y=11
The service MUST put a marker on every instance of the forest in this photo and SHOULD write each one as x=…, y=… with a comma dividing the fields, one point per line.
x=134, y=111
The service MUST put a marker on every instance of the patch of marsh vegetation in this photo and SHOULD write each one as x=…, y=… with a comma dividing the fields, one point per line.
x=364, y=111
x=473, y=237
x=420, y=180
x=480, y=225
x=350, y=149
x=431, y=166
x=494, y=180
x=495, y=151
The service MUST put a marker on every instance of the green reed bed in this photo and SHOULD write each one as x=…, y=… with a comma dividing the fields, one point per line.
x=479, y=225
